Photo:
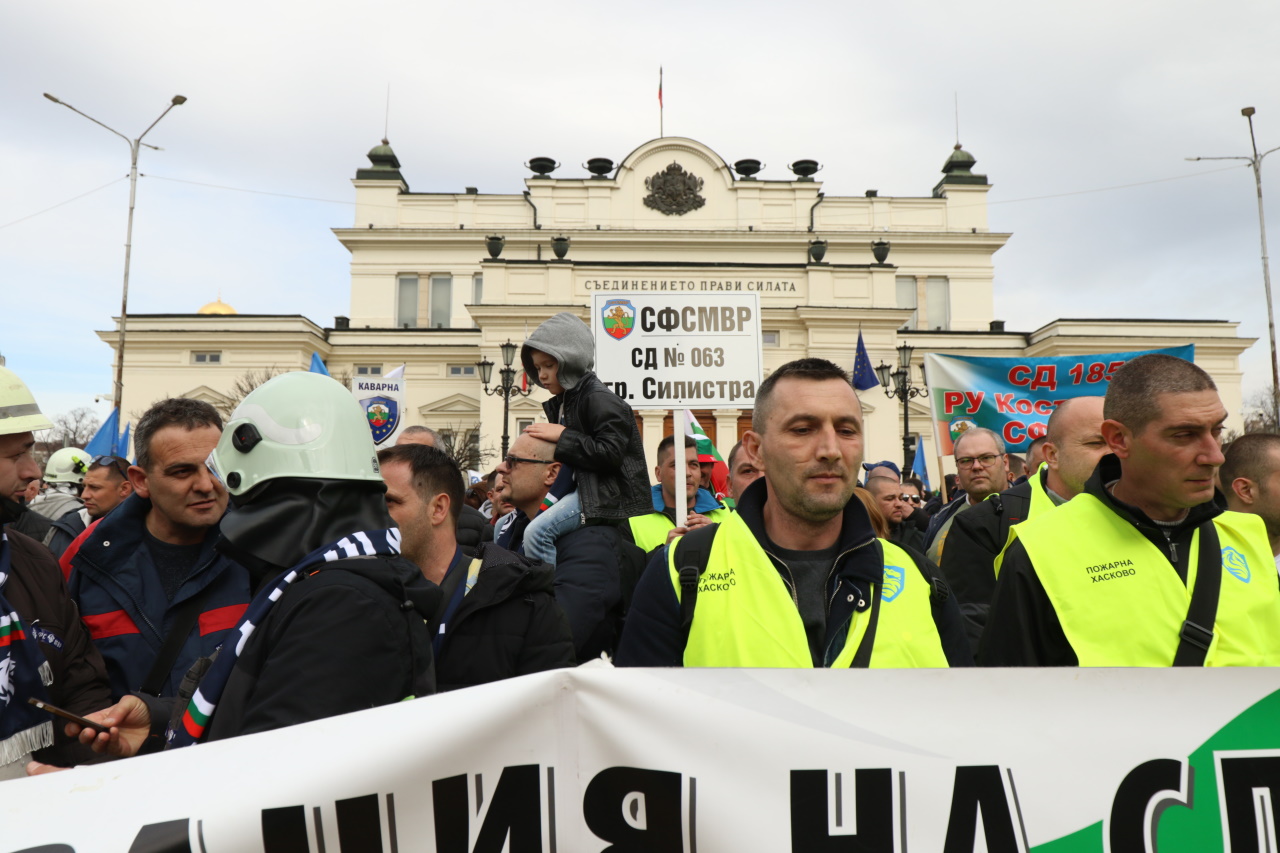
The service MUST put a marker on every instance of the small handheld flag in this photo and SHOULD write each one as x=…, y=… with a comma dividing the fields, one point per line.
x=317, y=366
x=864, y=377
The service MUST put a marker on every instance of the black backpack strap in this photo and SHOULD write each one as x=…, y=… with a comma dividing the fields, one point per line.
x=184, y=619
x=692, y=552
x=1197, y=632
x=862, y=657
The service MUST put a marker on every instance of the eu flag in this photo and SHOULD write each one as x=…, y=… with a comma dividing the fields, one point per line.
x=864, y=377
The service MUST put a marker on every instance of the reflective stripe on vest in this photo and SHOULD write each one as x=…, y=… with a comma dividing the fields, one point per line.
x=745, y=615
x=1121, y=602
x=650, y=530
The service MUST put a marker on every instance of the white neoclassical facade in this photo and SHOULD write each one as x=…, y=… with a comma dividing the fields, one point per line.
x=431, y=288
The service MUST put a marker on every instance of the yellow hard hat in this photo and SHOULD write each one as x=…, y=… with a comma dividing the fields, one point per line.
x=18, y=409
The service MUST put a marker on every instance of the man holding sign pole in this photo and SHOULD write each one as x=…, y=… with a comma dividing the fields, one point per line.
x=847, y=599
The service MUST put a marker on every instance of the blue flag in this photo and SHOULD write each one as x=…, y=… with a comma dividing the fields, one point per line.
x=864, y=377
x=918, y=467
x=105, y=439
x=123, y=450
x=317, y=366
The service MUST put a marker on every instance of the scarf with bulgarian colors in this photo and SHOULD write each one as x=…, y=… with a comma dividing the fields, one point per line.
x=24, y=673
x=195, y=719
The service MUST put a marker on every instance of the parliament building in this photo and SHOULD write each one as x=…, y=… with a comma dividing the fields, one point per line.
x=440, y=280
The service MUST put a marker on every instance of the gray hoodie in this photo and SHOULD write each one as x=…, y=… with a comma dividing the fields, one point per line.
x=566, y=339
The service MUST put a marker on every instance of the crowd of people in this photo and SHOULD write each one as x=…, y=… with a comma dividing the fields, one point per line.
x=274, y=569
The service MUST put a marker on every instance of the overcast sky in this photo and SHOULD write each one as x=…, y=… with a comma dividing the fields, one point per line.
x=287, y=98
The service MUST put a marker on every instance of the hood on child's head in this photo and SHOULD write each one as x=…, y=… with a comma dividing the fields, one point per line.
x=566, y=339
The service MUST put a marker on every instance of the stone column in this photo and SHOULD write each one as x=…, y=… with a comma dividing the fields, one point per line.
x=726, y=430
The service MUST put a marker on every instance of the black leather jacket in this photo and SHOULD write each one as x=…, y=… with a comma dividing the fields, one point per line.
x=603, y=445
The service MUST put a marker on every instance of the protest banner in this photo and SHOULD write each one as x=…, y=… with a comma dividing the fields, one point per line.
x=676, y=761
x=381, y=398
x=1014, y=397
x=676, y=351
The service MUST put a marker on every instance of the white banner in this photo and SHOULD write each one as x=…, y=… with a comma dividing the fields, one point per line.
x=382, y=399
x=594, y=759
x=669, y=351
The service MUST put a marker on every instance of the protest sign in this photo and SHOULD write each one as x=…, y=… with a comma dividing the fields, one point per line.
x=381, y=398
x=1014, y=397
x=672, y=351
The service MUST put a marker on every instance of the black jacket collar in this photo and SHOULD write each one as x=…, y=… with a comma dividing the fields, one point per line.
x=854, y=561
x=1109, y=470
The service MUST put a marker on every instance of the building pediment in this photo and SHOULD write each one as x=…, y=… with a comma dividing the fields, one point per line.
x=454, y=404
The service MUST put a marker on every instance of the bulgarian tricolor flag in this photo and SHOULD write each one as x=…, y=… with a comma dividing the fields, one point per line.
x=707, y=453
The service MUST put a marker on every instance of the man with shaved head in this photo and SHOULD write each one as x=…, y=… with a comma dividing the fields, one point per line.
x=1142, y=568
x=1072, y=448
x=1250, y=479
x=595, y=566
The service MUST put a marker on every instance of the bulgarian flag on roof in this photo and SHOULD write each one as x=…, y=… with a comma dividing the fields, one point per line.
x=707, y=453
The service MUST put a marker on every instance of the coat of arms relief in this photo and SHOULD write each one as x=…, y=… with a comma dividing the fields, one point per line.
x=673, y=191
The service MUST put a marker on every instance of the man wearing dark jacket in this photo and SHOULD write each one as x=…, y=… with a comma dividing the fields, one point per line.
x=1142, y=568
x=338, y=621
x=796, y=577
x=45, y=652
x=596, y=568
x=473, y=529
x=1074, y=446
x=148, y=570
x=499, y=618
x=889, y=493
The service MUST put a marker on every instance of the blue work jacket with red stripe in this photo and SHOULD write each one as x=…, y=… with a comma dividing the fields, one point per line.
x=123, y=604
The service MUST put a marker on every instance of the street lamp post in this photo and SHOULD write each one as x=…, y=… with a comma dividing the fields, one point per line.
x=902, y=389
x=1255, y=162
x=134, y=145
x=507, y=387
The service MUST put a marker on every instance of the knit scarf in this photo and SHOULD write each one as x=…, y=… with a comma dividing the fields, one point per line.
x=24, y=673
x=200, y=710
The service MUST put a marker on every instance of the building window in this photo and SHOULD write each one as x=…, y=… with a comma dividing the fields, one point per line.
x=206, y=357
x=368, y=370
x=905, y=286
x=771, y=339
x=521, y=423
x=461, y=370
x=937, y=302
x=407, y=302
x=477, y=293
x=441, y=301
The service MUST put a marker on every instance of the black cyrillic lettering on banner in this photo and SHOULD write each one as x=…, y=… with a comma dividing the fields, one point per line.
x=449, y=803
x=172, y=836
x=359, y=824
x=635, y=810
x=977, y=788
x=1127, y=828
x=515, y=812
x=1250, y=786
x=284, y=830
x=873, y=813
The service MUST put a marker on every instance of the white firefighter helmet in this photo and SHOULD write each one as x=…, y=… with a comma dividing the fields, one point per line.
x=18, y=409
x=297, y=425
x=68, y=465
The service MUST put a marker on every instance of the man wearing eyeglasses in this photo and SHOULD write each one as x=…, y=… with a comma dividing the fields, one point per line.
x=983, y=469
x=594, y=564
